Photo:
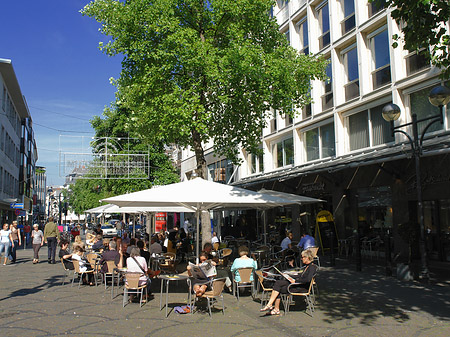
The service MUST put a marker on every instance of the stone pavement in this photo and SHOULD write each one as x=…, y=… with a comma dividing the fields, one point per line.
x=33, y=303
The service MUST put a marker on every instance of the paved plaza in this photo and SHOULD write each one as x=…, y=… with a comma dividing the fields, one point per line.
x=34, y=303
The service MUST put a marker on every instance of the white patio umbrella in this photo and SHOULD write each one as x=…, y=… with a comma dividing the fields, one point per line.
x=199, y=195
x=98, y=209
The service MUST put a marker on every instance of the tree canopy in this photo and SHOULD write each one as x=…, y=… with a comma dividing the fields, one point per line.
x=424, y=24
x=196, y=70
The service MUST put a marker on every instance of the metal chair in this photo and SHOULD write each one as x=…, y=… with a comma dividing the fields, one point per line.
x=132, y=287
x=111, y=265
x=314, y=251
x=288, y=298
x=169, y=264
x=245, y=282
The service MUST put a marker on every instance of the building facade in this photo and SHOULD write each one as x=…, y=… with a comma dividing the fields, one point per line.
x=40, y=194
x=18, y=152
x=339, y=148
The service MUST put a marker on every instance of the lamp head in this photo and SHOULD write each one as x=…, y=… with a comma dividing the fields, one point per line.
x=391, y=112
x=439, y=96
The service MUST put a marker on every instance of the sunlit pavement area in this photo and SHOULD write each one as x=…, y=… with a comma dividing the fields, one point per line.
x=350, y=303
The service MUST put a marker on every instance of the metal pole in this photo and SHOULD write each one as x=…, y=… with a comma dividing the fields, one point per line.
x=424, y=274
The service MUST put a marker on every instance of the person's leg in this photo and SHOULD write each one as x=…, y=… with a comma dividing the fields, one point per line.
x=7, y=252
x=35, y=250
x=49, y=250
x=13, y=251
x=53, y=249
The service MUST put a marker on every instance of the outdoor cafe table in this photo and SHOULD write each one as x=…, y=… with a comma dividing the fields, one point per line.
x=166, y=279
x=258, y=254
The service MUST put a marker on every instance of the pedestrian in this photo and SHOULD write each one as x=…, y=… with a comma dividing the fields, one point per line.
x=27, y=234
x=16, y=239
x=5, y=241
x=38, y=240
x=51, y=237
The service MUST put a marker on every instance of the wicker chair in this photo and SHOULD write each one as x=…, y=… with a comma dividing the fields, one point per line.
x=265, y=291
x=132, y=287
x=76, y=266
x=216, y=292
x=66, y=271
x=245, y=282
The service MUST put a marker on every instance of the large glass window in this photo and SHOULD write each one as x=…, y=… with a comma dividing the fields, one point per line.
x=256, y=163
x=421, y=106
x=350, y=61
x=288, y=38
x=327, y=97
x=221, y=171
x=348, y=7
x=375, y=7
x=379, y=44
x=368, y=128
x=416, y=62
x=303, y=34
x=324, y=24
x=283, y=152
x=320, y=142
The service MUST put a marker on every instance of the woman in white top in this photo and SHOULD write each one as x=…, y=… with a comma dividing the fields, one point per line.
x=83, y=263
x=5, y=241
x=38, y=240
x=137, y=264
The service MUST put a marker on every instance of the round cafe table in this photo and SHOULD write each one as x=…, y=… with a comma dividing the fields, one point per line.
x=165, y=280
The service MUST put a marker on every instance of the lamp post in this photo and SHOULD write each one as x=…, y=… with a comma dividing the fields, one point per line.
x=440, y=97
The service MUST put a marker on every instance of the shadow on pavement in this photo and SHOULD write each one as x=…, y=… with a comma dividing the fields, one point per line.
x=50, y=282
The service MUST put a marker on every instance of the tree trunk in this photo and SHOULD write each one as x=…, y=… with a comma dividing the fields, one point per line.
x=206, y=228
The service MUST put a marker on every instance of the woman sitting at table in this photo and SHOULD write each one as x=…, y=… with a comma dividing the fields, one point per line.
x=65, y=255
x=83, y=263
x=243, y=262
x=137, y=264
x=78, y=242
x=199, y=285
x=280, y=286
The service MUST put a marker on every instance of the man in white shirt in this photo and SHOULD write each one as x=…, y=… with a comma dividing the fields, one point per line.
x=214, y=238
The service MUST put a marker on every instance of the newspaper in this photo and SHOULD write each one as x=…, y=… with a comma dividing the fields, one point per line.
x=205, y=270
x=285, y=275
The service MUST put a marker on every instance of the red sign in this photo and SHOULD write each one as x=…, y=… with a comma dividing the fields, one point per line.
x=160, y=222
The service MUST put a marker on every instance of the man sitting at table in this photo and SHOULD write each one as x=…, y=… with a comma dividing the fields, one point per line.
x=144, y=253
x=111, y=255
x=155, y=246
x=306, y=242
x=98, y=243
x=199, y=285
x=286, y=243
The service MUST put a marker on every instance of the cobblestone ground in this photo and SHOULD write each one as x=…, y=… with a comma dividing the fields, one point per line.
x=34, y=303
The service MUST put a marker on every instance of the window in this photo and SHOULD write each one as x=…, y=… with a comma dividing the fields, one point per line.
x=379, y=44
x=221, y=171
x=416, y=62
x=348, y=7
x=320, y=142
x=273, y=122
x=288, y=119
x=324, y=24
x=368, y=128
x=421, y=106
x=283, y=152
x=327, y=98
x=350, y=61
x=375, y=7
x=303, y=33
x=256, y=163
x=286, y=33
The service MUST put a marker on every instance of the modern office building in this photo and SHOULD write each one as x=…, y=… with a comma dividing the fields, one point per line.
x=339, y=148
x=18, y=152
x=40, y=194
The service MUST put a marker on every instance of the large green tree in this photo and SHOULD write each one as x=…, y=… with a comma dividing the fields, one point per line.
x=424, y=24
x=196, y=70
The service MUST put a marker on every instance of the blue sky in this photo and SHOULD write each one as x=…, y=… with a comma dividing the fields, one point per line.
x=62, y=73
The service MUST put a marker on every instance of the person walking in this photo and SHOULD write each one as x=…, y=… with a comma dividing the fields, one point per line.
x=51, y=236
x=27, y=235
x=38, y=240
x=5, y=241
x=16, y=240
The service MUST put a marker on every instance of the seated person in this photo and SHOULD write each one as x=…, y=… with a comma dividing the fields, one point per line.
x=125, y=238
x=137, y=264
x=131, y=245
x=214, y=238
x=111, y=255
x=144, y=253
x=84, y=264
x=78, y=242
x=280, y=286
x=199, y=285
x=98, y=243
x=123, y=250
x=65, y=254
x=243, y=262
x=212, y=255
x=286, y=243
x=306, y=242
x=155, y=246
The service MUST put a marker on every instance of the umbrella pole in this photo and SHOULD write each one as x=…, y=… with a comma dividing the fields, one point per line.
x=265, y=228
x=198, y=235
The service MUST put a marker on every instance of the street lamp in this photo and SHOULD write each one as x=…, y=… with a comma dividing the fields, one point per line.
x=440, y=97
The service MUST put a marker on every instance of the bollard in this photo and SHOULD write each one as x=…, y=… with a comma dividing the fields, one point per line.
x=358, y=251
x=387, y=253
x=332, y=257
